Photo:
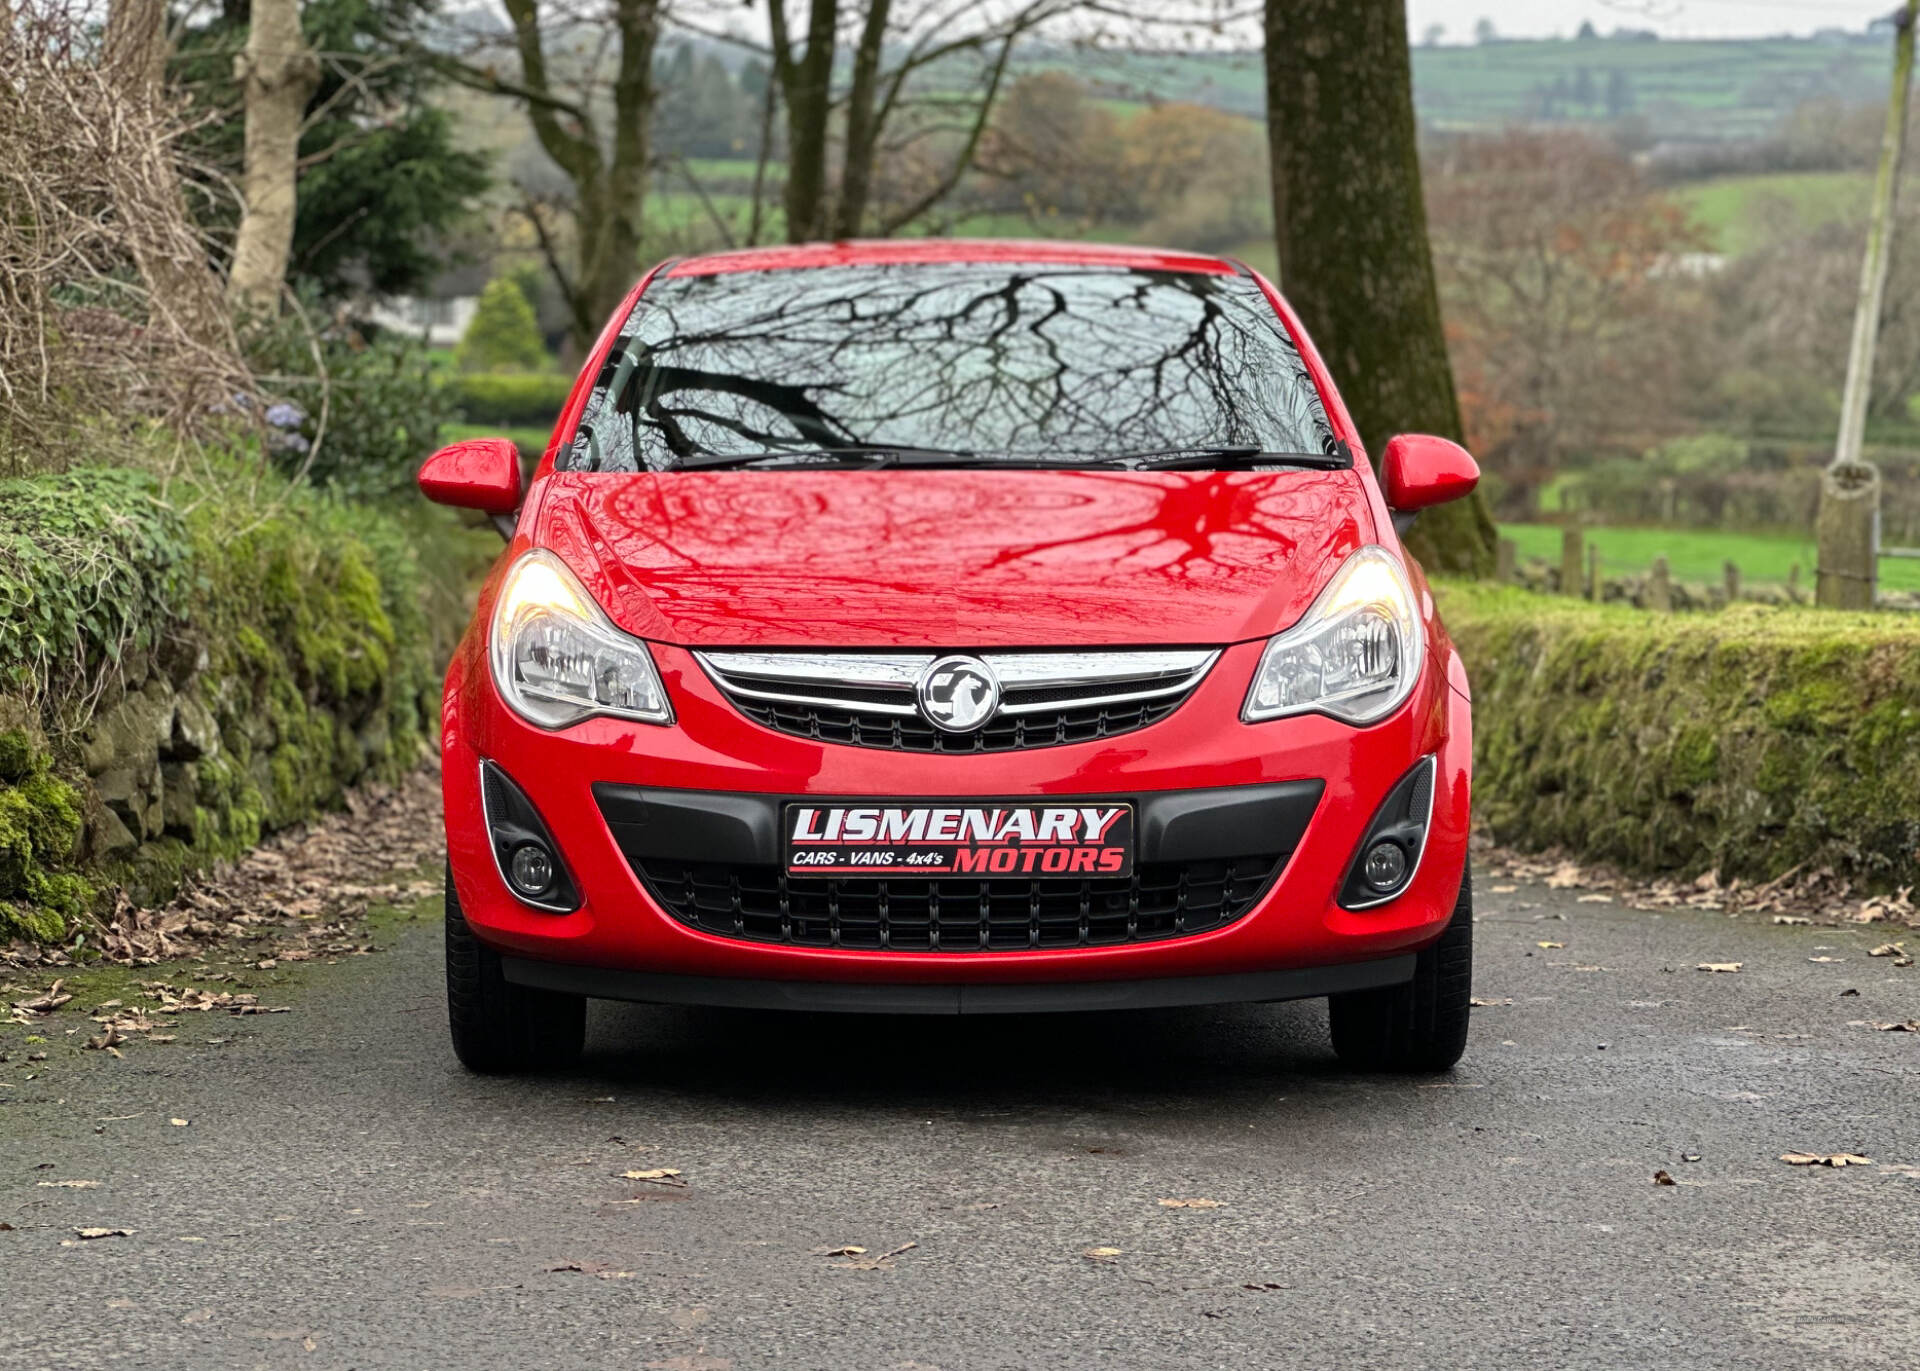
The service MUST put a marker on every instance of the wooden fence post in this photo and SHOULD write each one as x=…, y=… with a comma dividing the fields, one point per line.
x=1593, y=574
x=1660, y=587
x=1733, y=582
x=1572, y=560
x=1506, y=560
x=1847, y=531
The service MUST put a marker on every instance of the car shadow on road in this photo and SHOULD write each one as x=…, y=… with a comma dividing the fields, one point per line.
x=777, y=1058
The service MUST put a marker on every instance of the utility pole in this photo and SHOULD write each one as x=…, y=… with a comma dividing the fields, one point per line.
x=1848, y=528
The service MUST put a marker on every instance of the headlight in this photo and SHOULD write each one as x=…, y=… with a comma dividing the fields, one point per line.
x=1354, y=655
x=556, y=657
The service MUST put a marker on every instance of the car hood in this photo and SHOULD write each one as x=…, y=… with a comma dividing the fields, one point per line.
x=952, y=558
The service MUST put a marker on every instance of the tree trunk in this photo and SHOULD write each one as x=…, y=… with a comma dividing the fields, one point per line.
x=1352, y=233
x=806, y=82
x=610, y=244
x=863, y=129
x=279, y=73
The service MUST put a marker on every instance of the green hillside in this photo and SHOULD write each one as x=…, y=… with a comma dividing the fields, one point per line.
x=1745, y=212
x=1718, y=89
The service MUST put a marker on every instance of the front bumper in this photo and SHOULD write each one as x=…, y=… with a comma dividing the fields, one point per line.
x=624, y=942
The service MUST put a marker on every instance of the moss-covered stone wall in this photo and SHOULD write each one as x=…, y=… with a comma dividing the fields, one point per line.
x=289, y=646
x=1748, y=742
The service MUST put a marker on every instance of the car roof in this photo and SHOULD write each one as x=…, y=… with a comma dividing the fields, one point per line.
x=896, y=251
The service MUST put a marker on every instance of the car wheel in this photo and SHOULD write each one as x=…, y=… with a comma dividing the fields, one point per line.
x=1421, y=1025
x=498, y=1026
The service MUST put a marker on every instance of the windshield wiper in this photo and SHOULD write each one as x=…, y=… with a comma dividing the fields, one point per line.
x=867, y=456
x=1236, y=458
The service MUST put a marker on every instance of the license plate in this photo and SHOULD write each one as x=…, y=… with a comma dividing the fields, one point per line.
x=968, y=838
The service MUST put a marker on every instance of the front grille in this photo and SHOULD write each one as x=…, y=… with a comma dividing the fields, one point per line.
x=1008, y=733
x=762, y=903
x=1047, y=698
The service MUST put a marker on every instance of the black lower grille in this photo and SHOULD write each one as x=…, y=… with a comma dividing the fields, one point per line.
x=958, y=914
x=1008, y=733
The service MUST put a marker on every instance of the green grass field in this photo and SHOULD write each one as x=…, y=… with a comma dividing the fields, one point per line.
x=1744, y=212
x=1699, y=554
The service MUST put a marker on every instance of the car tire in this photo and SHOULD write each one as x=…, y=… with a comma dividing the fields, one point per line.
x=1420, y=1026
x=499, y=1027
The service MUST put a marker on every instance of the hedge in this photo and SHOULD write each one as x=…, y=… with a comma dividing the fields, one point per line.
x=511, y=399
x=187, y=669
x=1749, y=741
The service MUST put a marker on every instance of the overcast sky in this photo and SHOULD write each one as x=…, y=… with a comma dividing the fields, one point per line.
x=1670, y=18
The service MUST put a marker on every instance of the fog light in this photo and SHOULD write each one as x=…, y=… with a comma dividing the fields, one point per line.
x=531, y=869
x=1386, y=866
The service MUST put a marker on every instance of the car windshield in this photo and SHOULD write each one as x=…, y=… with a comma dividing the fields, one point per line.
x=951, y=364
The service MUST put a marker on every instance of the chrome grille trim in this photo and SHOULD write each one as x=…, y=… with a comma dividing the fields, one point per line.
x=883, y=683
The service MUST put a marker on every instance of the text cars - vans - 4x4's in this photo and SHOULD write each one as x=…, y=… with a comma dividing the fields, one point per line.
x=956, y=627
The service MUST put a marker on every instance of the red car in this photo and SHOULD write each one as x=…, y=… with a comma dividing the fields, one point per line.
x=956, y=627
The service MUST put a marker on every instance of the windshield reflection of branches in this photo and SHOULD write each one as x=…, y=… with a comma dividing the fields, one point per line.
x=1018, y=361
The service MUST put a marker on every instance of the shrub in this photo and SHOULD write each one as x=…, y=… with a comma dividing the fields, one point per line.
x=508, y=399
x=1749, y=741
x=382, y=403
x=503, y=334
x=93, y=567
x=297, y=635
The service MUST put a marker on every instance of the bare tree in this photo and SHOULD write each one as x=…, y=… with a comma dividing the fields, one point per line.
x=604, y=155
x=278, y=72
x=897, y=45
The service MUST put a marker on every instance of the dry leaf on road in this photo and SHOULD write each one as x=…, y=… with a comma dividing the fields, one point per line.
x=1662, y=1178
x=1720, y=966
x=604, y=1270
x=1824, y=1159
x=46, y=1002
x=68, y=1185
x=658, y=1175
x=1884, y=950
x=1192, y=1204
x=850, y=1250
x=1549, y=945
x=89, y=1234
x=864, y=1263
x=1487, y=1004
x=1904, y=1026
x=1101, y=1254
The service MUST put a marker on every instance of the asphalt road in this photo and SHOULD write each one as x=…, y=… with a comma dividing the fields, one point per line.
x=343, y=1196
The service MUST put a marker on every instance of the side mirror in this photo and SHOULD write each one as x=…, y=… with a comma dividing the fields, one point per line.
x=1419, y=472
x=481, y=473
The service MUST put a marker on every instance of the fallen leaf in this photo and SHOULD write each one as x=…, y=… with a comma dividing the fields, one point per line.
x=46, y=1002
x=1662, y=1178
x=1550, y=945
x=1824, y=1159
x=1505, y=889
x=864, y=1263
x=178, y=1123
x=89, y=1234
x=1689, y=1156
x=1825, y=960
x=1904, y=1026
x=68, y=1185
x=1191, y=1204
x=1264, y=1285
x=1487, y=1004
x=1595, y=899
x=1847, y=992
x=850, y=1250
x=1791, y=919
x=1720, y=966
x=1102, y=1254
x=1884, y=950
x=659, y=1175
x=603, y=1270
